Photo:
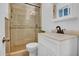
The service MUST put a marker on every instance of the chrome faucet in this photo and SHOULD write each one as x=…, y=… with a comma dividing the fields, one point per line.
x=59, y=30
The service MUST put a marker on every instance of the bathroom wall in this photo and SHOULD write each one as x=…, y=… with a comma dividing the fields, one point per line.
x=47, y=17
x=3, y=14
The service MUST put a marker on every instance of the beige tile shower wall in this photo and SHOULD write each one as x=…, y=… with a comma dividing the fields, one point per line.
x=23, y=16
x=22, y=36
x=23, y=26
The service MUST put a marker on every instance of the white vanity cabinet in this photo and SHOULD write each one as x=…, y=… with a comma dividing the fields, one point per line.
x=48, y=45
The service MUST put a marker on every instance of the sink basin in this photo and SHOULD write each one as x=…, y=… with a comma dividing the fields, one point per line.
x=58, y=36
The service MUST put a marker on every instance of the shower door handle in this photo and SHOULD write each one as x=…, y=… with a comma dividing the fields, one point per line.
x=5, y=40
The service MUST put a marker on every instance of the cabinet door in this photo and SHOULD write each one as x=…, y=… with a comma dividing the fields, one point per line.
x=45, y=47
x=44, y=51
x=69, y=47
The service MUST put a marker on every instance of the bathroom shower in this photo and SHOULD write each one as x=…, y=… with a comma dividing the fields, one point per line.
x=24, y=26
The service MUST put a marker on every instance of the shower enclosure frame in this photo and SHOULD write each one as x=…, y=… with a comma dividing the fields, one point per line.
x=8, y=44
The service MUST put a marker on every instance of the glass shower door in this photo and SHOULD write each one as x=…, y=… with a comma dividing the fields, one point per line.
x=23, y=26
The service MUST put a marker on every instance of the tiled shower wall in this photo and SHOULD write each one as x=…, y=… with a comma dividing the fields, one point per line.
x=23, y=22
